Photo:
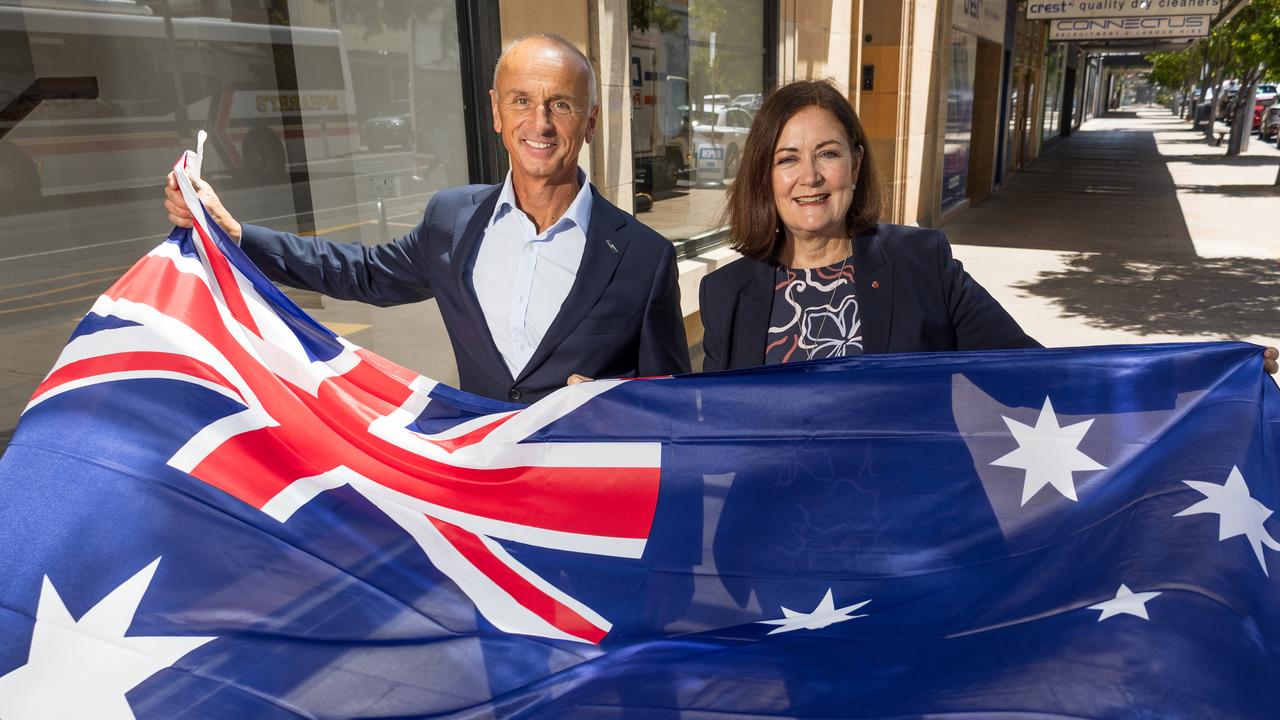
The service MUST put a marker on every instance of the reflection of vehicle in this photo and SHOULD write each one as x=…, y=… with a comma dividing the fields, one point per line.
x=393, y=125
x=717, y=139
x=749, y=101
x=714, y=103
x=143, y=111
x=659, y=115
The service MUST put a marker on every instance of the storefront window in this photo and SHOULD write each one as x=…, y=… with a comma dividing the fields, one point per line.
x=1054, y=70
x=697, y=79
x=955, y=157
x=314, y=116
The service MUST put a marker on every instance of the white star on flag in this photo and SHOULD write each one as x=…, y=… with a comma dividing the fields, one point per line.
x=1237, y=510
x=1126, y=602
x=826, y=613
x=82, y=669
x=1048, y=453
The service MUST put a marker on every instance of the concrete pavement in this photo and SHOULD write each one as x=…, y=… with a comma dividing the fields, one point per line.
x=1133, y=231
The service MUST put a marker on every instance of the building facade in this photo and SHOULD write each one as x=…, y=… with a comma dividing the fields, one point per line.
x=343, y=117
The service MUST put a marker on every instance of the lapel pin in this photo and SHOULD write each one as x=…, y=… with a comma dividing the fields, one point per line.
x=875, y=283
x=612, y=247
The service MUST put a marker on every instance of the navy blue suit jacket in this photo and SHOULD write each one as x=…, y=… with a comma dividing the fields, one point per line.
x=913, y=296
x=621, y=318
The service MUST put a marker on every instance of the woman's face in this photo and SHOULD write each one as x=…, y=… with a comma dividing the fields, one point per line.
x=814, y=169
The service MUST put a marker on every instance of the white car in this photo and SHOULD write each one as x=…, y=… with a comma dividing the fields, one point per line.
x=1270, y=127
x=717, y=140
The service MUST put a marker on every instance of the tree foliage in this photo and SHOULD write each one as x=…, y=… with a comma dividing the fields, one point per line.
x=652, y=14
x=1174, y=70
x=1254, y=35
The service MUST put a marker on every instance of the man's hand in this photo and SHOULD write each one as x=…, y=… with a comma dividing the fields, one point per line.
x=1269, y=357
x=575, y=378
x=180, y=214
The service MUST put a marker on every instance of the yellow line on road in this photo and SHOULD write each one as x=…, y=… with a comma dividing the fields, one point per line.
x=51, y=304
x=64, y=277
x=50, y=292
x=344, y=328
x=336, y=228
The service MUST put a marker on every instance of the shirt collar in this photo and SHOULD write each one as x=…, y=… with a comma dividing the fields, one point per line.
x=578, y=212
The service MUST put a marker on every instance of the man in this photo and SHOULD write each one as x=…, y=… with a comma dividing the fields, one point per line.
x=540, y=280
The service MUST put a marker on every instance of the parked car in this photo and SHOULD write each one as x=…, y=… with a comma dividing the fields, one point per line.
x=717, y=140
x=1271, y=122
x=393, y=125
x=713, y=103
x=749, y=101
x=1263, y=101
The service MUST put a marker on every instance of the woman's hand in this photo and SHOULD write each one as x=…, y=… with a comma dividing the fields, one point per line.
x=1269, y=363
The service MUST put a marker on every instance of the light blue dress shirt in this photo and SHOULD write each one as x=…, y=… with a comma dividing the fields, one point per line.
x=521, y=278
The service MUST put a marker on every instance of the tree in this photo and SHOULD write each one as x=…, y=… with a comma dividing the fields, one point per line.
x=1216, y=50
x=1254, y=36
x=1176, y=71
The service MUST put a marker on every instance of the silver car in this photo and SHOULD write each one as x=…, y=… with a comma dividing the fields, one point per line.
x=1270, y=126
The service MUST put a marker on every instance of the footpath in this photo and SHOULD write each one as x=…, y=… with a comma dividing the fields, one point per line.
x=1133, y=230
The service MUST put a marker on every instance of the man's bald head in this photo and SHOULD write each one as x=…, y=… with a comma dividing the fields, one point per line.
x=542, y=41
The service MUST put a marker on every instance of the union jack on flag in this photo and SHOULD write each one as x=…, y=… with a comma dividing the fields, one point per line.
x=319, y=413
x=214, y=507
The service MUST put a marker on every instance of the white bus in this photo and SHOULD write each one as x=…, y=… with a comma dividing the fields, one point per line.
x=93, y=101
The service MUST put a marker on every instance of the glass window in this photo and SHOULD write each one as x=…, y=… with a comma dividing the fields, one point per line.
x=313, y=126
x=1054, y=67
x=955, y=154
x=697, y=78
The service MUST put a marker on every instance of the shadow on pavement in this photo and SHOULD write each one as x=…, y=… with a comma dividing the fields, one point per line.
x=1233, y=190
x=1236, y=297
x=1240, y=161
x=1104, y=190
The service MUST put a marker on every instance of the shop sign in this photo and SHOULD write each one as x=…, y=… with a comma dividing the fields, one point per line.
x=1130, y=28
x=1055, y=9
x=984, y=18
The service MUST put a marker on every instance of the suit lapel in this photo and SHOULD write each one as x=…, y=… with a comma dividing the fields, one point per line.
x=468, y=229
x=873, y=279
x=604, y=248
x=751, y=318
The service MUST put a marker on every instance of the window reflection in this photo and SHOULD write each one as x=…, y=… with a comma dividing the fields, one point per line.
x=697, y=78
x=332, y=117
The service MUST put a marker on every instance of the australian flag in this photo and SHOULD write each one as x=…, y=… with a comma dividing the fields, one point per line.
x=213, y=507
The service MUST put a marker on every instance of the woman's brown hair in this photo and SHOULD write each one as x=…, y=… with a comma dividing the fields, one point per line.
x=751, y=214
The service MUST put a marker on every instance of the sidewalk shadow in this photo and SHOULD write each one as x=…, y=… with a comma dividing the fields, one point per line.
x=1238, y=161
x=1233, y=190
x=1236, y=297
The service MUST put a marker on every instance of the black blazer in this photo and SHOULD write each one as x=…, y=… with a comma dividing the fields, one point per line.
x=621, y=318
x=912, y=296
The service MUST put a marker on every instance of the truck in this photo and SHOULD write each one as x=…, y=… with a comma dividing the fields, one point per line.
x=661, y=130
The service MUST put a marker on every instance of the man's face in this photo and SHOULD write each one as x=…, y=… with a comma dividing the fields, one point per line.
x=541, y=107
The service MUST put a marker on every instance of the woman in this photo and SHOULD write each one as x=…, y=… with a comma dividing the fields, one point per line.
x=821, y=277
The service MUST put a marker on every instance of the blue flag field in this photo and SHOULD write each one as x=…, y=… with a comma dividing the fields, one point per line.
x=213, y=507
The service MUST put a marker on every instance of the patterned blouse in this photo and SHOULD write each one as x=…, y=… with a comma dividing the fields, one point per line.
x=815, y=314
